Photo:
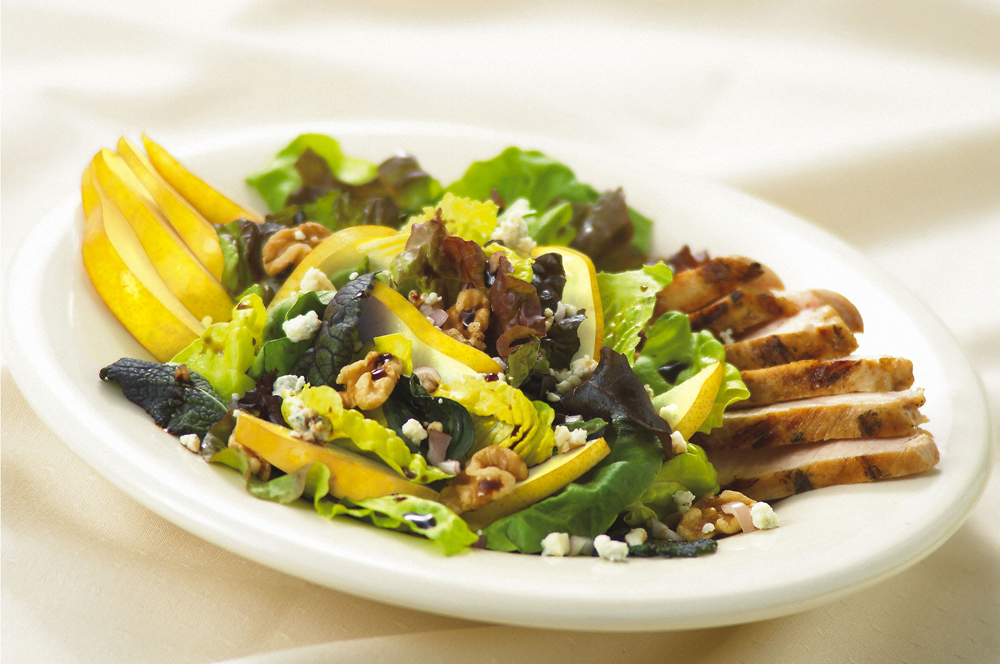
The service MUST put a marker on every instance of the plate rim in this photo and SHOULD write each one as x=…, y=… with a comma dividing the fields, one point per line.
x=38, y=391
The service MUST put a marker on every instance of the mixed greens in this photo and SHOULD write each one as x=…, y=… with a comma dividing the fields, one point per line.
x=477, y=363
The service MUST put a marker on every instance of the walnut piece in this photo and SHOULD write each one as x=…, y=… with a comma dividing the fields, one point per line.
x=490, y=474
x=708, y=510
x=370, y=381
x=290, y=245
x=468, y=318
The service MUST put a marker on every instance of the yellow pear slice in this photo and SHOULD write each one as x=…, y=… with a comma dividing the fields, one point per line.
x=543, y=480
x=687, y=405
x=351, y=475
x=188, y=279
x=136, y=295
x=388, y=312
x=342, y=250
x=212, y=205
x=581, y=291
x=198, y=234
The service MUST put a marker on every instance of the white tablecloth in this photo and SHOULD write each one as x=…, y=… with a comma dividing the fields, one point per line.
x=878, y=121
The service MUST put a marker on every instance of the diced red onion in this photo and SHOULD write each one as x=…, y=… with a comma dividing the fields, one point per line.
x=439, y=316
x=742, y=514
x=437, y=442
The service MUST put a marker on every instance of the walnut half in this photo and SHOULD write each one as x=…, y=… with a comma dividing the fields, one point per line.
x=468, y=318
x=290, y=245
x=370, y=381
x=490, y=474
x=708, y=511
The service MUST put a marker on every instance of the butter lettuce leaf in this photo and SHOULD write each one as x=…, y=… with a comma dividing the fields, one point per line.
x=503, y=415
x=409, y=514
x=673, y=353
x=351, y=430
x=589, y=506
x=469, y=219
x=628, y=299
x=225, y=351
x=690, y=471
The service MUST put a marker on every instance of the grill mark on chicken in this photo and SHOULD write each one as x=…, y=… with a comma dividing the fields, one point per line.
x=769, y=474
x=814, y=378
x=693, y=289
x=861, y=415
x=741, y=310
x=818, y=334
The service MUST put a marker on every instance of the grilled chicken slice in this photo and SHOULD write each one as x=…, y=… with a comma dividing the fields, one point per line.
x=811, y=334
x=744, y=308
x=693, y=289
x=858, y=415
x=816, y=378
x=777, y=472
x=813, y=299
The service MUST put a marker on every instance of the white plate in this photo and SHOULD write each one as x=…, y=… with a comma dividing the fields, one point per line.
x=830, y=542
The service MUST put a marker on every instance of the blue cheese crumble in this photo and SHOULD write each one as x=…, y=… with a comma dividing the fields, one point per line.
x=609, y=549
x=555, y=544
x=302, y=328
x=763, y=516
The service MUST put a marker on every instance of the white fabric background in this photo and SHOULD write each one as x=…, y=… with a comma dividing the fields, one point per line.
x=879, y=121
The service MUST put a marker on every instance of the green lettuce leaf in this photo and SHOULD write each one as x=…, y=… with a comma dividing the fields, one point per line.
x=517, y=173
x=470, y=219
x=279, y=353
x=238, y=340
x=554, y=227
x=242, y=242
x=589, y=506
x=280, y=178
x=628, y=299
x=408, y=514
x=690, y=471
x=673, y=353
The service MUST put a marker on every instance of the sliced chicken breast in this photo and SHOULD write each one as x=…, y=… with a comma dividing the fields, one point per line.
x=811, y=334
x=818, y=297
x=857, y=415
x=694, y=288
x=768, y=474
x=815, y=378
x=744, y=308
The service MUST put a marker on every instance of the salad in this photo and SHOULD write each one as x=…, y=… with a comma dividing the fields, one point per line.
x=483, y=364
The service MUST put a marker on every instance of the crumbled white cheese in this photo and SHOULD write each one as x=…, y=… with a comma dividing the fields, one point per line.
x=413, y=430
x=670, y=412
x=727, y=336
x=206, y=321
x=512, y=229
x=314, y=280
x=432, y=298
x=294, y=384
x=298, y=414
x=635, y=537
x=580, y=546
x=708, y=528
x=299, y=235
x=563, y=310
x=683, y=500
x=555, y=544
x=352, y=276
x=302, y=327
x=191, y=441
x=553, y=397
x=610, y=549
x=570, y=419
x=677, y=443
x=567, y=440
x=579, y=371
x=661, y=531
x=763, y=516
